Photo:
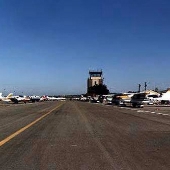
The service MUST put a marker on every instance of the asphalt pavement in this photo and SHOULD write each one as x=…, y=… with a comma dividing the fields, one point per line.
x=82, y=136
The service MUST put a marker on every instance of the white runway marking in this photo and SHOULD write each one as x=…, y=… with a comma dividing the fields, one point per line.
x=159, y=113
x=165, y=114
x=143, y=111
x=140, y=111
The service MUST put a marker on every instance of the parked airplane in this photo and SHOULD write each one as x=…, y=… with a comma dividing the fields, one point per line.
x=122, y=98
x=6, y=99
x=48, y=98
x=44, y=98
x=51, y=98
x=34, y=98
x=164, y=99
x=139, y=100
x=20, y=98
x=60, y=98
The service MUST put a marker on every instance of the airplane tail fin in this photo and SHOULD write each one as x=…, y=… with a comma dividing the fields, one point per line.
x=0, y=94
x=10, y=95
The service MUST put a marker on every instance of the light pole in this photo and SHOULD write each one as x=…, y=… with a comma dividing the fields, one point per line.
x=139, y=85
x=145, y=86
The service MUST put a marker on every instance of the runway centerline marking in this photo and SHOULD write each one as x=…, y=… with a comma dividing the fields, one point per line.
x=27, y=126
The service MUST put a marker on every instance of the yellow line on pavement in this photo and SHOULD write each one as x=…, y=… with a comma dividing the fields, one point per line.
x=26, y=127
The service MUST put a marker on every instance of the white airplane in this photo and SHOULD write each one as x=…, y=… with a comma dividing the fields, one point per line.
x=20, y=98
x=51, y=98
x=47, y=98
x=60, y=98
x=44, y=98
x=6, y=99
x=34, y=98
x=165, y=98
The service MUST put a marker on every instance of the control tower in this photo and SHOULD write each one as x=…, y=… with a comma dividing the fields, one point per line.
x=95, y=78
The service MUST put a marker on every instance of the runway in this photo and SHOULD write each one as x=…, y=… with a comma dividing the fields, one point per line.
x=83, y=136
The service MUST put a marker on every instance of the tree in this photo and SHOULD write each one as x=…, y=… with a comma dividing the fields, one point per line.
x=100, y=89
x=156, y=89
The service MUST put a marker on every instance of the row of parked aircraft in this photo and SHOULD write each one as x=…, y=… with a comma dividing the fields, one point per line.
x=135, y=99
x=25, y=99
x=142, y=98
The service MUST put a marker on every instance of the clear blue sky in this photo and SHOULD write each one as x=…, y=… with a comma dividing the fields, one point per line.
x=48, y=46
